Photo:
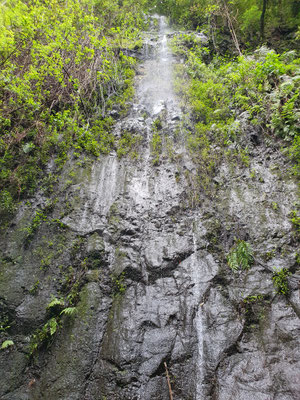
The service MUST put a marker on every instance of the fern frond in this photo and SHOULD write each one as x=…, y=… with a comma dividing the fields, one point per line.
x=69, y=311
x=6, y=344
x=53, y=325
x=55, y=302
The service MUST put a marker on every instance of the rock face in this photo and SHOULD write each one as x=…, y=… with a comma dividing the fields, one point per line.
x=142, y=250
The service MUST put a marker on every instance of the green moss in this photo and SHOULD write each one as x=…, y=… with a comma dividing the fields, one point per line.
x=83, y=306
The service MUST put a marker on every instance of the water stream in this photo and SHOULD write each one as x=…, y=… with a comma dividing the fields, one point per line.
x=155, y=89
x=148, y=195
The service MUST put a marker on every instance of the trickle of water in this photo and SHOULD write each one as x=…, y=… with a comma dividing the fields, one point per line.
x=198, y=318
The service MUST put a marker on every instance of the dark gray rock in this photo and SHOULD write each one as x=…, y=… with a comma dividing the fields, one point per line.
x=143, y=256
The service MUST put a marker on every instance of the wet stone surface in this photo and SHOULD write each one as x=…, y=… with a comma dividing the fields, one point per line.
x=154, y=286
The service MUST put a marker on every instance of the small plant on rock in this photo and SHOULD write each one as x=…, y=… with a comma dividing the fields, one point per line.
x=295, y=220
x=280, y=281
x=6, y=344
x=156, y=147
x=43, y=336
x=69, y=311
x=55, y=304
x=119, y=285
x=240, y=256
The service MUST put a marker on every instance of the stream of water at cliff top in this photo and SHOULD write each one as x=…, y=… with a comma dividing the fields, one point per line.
x=155, y=90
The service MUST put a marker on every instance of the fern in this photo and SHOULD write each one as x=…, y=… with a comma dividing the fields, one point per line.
x=52, y=325
x=55, y=303
x=240, y=256
x=6, y=344
x=233, y=261
x=42, y=337
x=69, y=311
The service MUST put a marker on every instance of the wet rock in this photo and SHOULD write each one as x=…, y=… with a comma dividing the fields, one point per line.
x=115, y=114
x=146, y=268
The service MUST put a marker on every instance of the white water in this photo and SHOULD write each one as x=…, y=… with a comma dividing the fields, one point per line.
x=198, y=292
x=155, y=90
x=149, y=189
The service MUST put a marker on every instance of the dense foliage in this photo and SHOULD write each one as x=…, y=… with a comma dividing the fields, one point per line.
x=248, y=22
x=62, y=69
x=259, y=92
x=65, y=74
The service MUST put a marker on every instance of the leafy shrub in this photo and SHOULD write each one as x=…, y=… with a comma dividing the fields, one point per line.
x=127, y=143
x=280, y=281
x=156, y=147
x=7, y=204
x=264, y=85
x=240, y=256
x=55, y=303
x=44, y=336
x=61, y=72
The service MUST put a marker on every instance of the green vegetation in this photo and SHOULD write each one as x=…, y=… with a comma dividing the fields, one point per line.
x=240, y=256
x=69, y=311
x=34, y=225
x=156, y=142
x=42, y=216
x=62, y=68
x=254, y=308
x=280, y=281
x=61, y=308
x=4, y=324
x=119, y=286
x=253, y=299
x=6, y=344
x=64, y=73
x=245, y=22
x=43, y=337
x=295, y=220
x=35, y=287
x=263, y=88
x=55, y=304
x=7, y=204
x=269, y=255
x=128, y=144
